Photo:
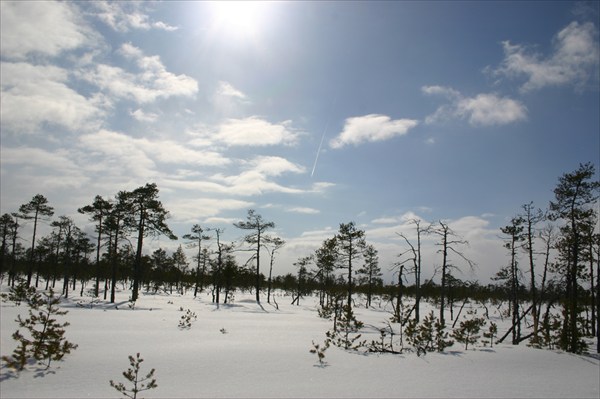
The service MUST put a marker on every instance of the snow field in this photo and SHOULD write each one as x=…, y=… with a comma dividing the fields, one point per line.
x=265, y=353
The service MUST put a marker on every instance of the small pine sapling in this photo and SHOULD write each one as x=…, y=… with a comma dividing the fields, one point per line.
x=491, y=333
x=344, y=326
x=45, y=340
x=441, y=336
x=132, y=375
x=320, y=351
x=428, y=336
x=185, y=323
x=468, y=331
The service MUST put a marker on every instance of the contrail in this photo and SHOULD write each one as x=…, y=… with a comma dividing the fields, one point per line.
x=319, y=150
x=322, y=138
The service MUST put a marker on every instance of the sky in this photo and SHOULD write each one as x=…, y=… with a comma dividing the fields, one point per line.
x=311, y=113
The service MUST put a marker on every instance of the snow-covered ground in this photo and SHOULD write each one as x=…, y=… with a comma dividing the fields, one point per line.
x=249, y=350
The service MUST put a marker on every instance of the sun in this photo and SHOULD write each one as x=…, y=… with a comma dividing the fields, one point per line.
x=240, y=18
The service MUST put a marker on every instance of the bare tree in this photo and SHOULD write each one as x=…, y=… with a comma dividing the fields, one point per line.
x=449, y=241
x=531, y=217
x=257, y=239
x=415, y=257
x=275, y=246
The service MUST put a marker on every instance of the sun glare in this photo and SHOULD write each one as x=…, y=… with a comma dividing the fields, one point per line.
x=240, y=17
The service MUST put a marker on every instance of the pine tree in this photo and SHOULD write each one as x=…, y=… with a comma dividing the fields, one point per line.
x=45, y=339
x=575, y=195
x=132, y=375
x=36, y=209
x=345, y=326
x=428, y=336
x=468, y=331
x=320, y=351
x=491, y=333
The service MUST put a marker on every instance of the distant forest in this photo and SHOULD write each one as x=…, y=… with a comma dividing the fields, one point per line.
x=556, y=305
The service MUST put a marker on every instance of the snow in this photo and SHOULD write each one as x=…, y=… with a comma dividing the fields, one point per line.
x=264, y=352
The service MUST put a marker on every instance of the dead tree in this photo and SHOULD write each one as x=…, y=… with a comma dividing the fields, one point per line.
x=449, y=240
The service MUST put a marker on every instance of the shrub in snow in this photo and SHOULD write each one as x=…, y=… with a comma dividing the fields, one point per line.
x=428, y=336
x=185, y=323
x=491, y=334
x=132, y=375
x=44, y=338
x=320, y=351
x=468, y=331
x=383, y=345
x=344, y=328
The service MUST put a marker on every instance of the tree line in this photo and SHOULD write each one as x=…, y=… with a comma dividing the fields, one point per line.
x=558, y=245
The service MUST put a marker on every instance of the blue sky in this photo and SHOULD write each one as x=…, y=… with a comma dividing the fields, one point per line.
x=460, y=111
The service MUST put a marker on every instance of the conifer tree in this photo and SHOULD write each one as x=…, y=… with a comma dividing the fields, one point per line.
x=132, y=375
x=350, y=245
x=36, y=209
x=256, y=239
x=370, y=273
x=468, y=331
x=574, y=196
x=98, y=211
x=44, y=339
x=195, y=241
x=145, y=216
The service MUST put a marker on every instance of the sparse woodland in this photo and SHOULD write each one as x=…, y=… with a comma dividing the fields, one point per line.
x=550, y=297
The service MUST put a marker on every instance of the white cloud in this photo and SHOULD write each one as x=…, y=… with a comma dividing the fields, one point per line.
x=114, y=153
x=385, y=220
x=303, y=210
x=228, y=101
x=227, y=90
x=147, y=152
x=47, y=28
x=152, y=83
x=573, y=61
x=36, y=94
x=142, y=116
x=123, y=16
x=441, y=90
x=253, y=131
x=489, y=109
x=256, y=178
x=482, y=110
x=26, y=167
x=203, y=209
x=274, y=166
x=370, y=128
